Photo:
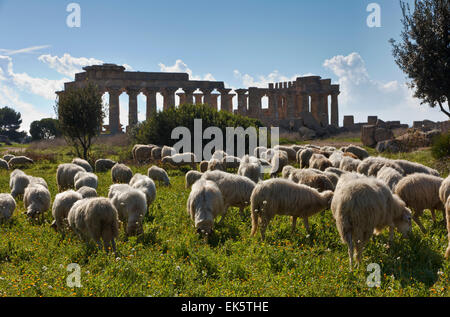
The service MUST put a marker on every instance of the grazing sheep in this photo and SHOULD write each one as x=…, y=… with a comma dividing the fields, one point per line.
x=332, y=177
x=447, y=212
x=282, y=197
x=320, y=162
x=7, y=207
x=336, y=158
x=18, y=181
x=291, y=153
x=61, y=207
x=251, y=168
x=219, y=155
x=364, y=166
x=231, y=162
x=349, y=164
x=146, y=185
x=87, y=192
x=82, y=179
x=19, y=161
x=38, y=180
x=235, y=189
x=279, y=160
x=142, y=153
x=390, y=176
x=191, y=177
x=412, y=167
x=378, y=165
x=304, y=157
x=287, y=170
x=120, y=173
x=158, y=174
x=267, y=155
x=3, y=164
x=95, y=218
x=259, y=150
x=182, y=159
x=167, y=151
x=83, y=163
x=204, y=204
x=131, y=205
x=444, y=190
x=362, y=206
x=8, y=157
x=358, y=151
x=216, y=164
x=156, y=153
x=36, y=200
x=65, y=175
x=312, y=179
x=353, y=156
x=419, y=192
x=336, y=171
x=104, y=165
x=297, y=148
x=203, y=166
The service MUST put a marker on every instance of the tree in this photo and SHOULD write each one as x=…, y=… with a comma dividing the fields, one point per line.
x=80, y=114
x=10, y=121
x=45, y=129
x=424, y=51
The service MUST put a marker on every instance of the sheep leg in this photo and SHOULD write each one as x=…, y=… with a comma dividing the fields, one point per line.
x=263, y=227
x=433, y=215
x=419, y=223
x=349, y=242
x=305, y=220
x=294, y=223
x=255, y=220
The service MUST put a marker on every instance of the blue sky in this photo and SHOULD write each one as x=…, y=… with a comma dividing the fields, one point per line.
x=246, y=42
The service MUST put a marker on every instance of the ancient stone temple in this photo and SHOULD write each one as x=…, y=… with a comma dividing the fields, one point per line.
x=289, y=103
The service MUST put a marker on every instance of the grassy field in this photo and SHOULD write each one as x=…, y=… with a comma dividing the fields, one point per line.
x=169, y=259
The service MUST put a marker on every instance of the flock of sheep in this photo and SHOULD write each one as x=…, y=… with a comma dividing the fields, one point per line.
x=365, y=194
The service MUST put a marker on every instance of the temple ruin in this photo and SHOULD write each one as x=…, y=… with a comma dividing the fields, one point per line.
x=289, y=103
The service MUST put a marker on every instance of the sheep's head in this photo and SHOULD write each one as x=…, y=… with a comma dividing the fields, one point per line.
x=134, y=226
x=403, y=221
x=328, y=196
x=33, y=213
x=204, y=222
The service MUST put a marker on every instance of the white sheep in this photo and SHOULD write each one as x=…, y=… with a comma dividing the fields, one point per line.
x=336, y=171
x=349, y=164
x=8, y=157
x=287, y=170
x=65, y=175
x=219, y=155
x=231, y=162
x=83, y=163
x=131, y=205
x=18, y=181
x=95, y=218
x=291, y=153
x=167, y=151
x=303, y=157
x=357, y=150
x=87, y=192
x=61, y=207
x=267, y=155
x=390, y=176
x=104, y=165
x=444, y=190
x=82, y=179
x=146, y=185
x=191, y=177
x=204, y=204
x=37, y=180
x=7, y=207
x=36, y=200
x=312, y=178
x=251, y=168
x=181, y=159
x=283, y=197
x=378, y=165
x=142, y=153
x=259, y=150
x=216, y=164
x=319, y=161
x=3, y=164
x=447, y=212
x=158, y=174
x=363, y=167
x=120, y=173
x=420, y=191
x=156, y=153
x=279, y=160
x=19, y=161
x=412, y=167
x=336, y=158
x=362, y=206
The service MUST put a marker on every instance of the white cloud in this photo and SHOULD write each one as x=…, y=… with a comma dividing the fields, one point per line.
x=68, y=65
x=23, y=50
x=181, y=67
x=263, y=81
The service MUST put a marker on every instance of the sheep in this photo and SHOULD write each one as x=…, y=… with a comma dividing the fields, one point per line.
x=336, y=158
x=319, y=161
x=82, y=179
x=156, y=153
x=291, y=153
x=447, y=212
x=349, y=164
x=279, y=160
x=182, y=159
x=312, y=179
x=8, y=157
x=378, y=165
x=191, y=177
x=363, y=167
x=216, y=164
x=297, y=148
x=390, y=176
x=7, y=207
x=332, y=177
x=303, y=157
x=283, y=197
x=336, y=171
x=146, y=185
x=142, y=153
x=204, y=204
x=36, y=200
x=358, y=151
x=353, y=156
x=444, y=190
x=158, y=174
x=131, y=205
x=219, y=155
x=19, y=161
x=251, y=168
x=120, y=173
x=104, y=165
x=287, y=170
x=87, y=192
x=37, y=180
x=362, y=206
x=83, y=163
x=420, y=191
x=61, y=207
x=95, y=218
x=203, y=166
x=3, y=164
x=259, y=150
x=412, y=167
x=267, y=155
x=235, y=189
x=65, y=175
x=167, y=151
x=231, y=162
x=18, y=181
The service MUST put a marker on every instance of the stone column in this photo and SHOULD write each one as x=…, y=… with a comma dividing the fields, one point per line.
x=242, y=101
x=132, y=92
x=188, y=94
x=225, y=100
x=334, y=110
x=315, y=106
x=254, y=102
x=198, y=99
x=273, y=105
x=214, y=101
x=324, y=109
x=150, y=93
x=169, y=97
x=290, y=99
x=114, y=110
x=207, y=97
x=304, y=103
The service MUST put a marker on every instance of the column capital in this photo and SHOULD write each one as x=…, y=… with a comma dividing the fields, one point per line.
x=132, y=90
x=188, y=90
x=241, y=91
x=150, y=91
x=206, y=91
x=169, y=90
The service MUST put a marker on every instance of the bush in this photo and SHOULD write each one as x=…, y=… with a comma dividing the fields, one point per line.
x=441, y=146
x=159, y=128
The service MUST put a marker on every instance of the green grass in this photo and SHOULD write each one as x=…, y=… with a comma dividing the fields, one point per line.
x=170, y=259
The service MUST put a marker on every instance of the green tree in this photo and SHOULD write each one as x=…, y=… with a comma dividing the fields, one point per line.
x=10, y=121
x=424, y=51
x=80, y=113
x=45, y=129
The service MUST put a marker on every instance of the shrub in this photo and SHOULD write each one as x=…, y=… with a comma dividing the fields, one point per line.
x=441, y=146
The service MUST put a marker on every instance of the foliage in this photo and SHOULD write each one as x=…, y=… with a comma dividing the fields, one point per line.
x=10, y=121
x=80, y=113
x=45, y=129
x=423, y=53
x=441, y=146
